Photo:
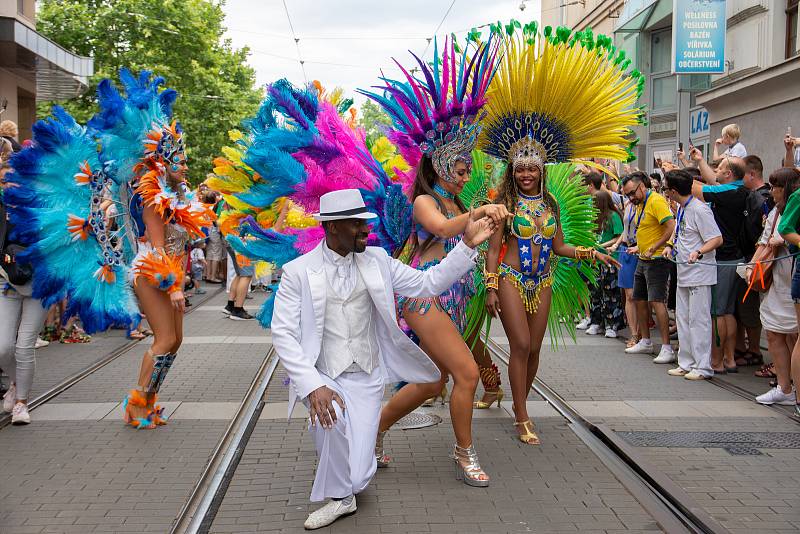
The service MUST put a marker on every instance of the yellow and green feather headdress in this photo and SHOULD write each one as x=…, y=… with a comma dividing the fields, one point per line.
x=560, y=96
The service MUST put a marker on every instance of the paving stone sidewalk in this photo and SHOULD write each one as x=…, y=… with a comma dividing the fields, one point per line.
x=101, y=476
x=745, y=494
x=559, y=486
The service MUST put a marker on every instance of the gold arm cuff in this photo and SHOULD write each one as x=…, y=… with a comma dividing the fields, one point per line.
x=585, y=253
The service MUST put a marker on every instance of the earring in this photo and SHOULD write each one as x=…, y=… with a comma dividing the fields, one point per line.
x=175, y=168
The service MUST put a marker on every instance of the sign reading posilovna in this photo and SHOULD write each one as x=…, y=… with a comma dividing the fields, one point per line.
x=698, y=36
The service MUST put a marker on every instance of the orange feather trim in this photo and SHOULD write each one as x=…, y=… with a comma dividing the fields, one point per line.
x=106, y=274
x=78, y=227
x=193, y=216
x=85, y=176
x=161, y=270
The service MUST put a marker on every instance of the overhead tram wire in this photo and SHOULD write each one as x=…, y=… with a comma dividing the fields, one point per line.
x=446, y=13
x=296, y=42
x=375, y=37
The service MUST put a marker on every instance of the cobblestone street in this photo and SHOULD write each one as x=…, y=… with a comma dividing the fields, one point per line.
x=76, y=468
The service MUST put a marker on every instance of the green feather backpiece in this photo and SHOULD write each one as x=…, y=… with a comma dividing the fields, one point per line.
x=571, y=278
x=486, y=174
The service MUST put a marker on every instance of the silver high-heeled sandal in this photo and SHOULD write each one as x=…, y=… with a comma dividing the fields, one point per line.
x=468, y=468
x=383, y=460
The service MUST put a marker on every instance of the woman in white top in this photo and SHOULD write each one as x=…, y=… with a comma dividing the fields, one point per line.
x=777, y=309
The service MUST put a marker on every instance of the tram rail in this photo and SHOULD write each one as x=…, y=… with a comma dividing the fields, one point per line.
x=89, y=370
x=198, y=513
x=669, y=505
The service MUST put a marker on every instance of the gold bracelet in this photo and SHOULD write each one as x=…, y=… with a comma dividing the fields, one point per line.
x=585, y=253
x=492, y=280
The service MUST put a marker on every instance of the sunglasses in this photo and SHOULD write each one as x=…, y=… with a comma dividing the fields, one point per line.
x=632, y=194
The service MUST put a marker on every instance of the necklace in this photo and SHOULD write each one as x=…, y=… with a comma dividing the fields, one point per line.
x=442, y=192
x=532, y=206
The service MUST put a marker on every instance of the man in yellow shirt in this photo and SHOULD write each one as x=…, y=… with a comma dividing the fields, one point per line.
x=654, y=224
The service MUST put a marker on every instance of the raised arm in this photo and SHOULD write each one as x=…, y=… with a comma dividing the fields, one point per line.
x=706, y=172
x=427, y=213
x=411, y=282
x=788, y=145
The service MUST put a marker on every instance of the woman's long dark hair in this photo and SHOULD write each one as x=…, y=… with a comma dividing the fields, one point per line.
x=789, y=179
x=423, y=185
x=605, y=207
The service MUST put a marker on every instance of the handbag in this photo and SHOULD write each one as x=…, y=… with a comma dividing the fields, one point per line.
x=15, y=272
x=761, y=274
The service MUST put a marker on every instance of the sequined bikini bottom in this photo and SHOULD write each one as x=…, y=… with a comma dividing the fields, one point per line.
x=530, y=286
x=453, y=302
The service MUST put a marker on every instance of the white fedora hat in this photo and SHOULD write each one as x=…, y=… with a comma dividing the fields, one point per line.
x=342, y=204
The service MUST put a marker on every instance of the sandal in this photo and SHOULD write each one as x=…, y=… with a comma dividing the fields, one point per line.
x=136, y=334
x=633, y=340
x=748, y=358
x=767, y=371
x=75, y=335
x=529, y=436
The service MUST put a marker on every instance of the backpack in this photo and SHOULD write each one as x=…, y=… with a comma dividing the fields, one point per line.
x=756, y=208
x=16, y=273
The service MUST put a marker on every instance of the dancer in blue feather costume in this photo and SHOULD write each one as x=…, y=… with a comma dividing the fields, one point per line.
x=133, y=156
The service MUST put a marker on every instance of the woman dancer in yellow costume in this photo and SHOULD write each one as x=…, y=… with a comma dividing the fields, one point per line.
x=557, y=97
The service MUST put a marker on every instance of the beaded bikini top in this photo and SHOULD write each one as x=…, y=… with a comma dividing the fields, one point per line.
x=525, y=223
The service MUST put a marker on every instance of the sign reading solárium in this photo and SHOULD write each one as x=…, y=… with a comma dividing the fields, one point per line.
x=698, y=36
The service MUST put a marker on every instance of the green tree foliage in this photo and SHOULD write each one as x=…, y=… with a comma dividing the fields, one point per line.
x=373, y=120
x=181, y=40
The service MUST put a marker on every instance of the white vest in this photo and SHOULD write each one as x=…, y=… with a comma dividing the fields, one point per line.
x=348, y=337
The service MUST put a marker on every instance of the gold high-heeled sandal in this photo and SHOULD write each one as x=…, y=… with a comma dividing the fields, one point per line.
x=490, y=378
x=382, y=459
x=529, y=437
x=468, y=469
x=443, y=394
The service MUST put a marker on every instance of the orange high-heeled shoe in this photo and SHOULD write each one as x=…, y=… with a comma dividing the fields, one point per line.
x=138, y=399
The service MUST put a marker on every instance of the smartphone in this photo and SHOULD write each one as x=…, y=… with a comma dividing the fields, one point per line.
x=680, y=147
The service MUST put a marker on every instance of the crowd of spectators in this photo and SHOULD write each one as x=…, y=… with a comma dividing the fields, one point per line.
x=707, y=252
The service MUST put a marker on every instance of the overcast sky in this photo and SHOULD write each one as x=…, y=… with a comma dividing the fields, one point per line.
x=346, y=42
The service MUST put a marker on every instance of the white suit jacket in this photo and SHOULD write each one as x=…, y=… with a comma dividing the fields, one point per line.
x=299, y=315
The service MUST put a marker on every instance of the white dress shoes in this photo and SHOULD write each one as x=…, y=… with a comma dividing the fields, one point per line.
x=329, y=513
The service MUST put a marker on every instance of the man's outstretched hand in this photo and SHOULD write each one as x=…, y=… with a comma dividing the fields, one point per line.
x=320, y=406
x=478, y=230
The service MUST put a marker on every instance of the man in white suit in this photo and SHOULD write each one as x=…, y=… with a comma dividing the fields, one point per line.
x=335, y=330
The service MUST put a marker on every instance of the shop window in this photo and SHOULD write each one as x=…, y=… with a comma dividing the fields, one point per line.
x=791, y=28
x=664, y=92
x=663, y=85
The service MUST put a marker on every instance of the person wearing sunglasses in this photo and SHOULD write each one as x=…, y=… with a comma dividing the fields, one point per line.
x=655, y=224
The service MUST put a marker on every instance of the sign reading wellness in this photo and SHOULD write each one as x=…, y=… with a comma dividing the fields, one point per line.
x=698, y=36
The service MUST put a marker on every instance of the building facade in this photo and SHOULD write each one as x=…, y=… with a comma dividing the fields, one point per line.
x=32, y=67
x=760, y=89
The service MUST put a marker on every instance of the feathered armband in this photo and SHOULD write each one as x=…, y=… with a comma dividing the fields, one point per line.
x=161, y=270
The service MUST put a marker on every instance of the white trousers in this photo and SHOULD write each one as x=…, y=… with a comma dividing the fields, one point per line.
x=693, y=318
x=346, y=452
